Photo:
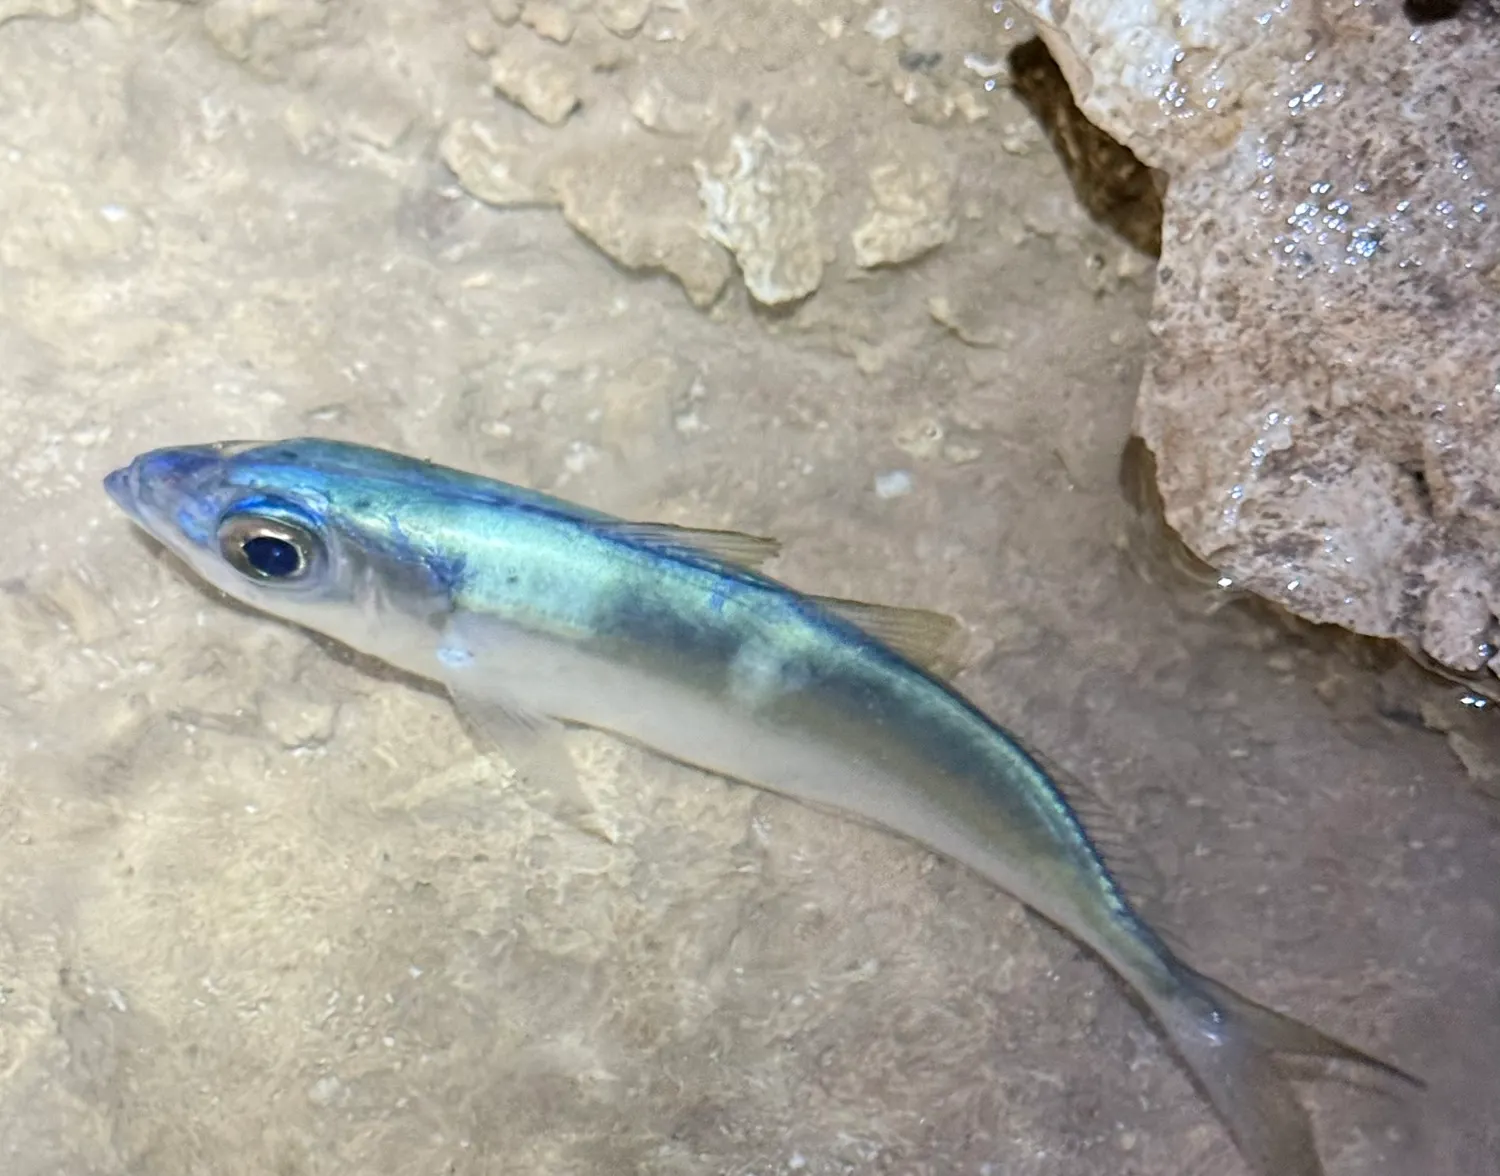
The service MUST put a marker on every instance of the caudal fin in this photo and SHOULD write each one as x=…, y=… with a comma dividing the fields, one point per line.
x=1230, y=1044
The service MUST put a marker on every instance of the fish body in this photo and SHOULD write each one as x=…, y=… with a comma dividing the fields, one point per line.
x=535, y=612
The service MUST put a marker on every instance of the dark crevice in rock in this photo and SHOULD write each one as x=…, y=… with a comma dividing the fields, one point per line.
x=1116, y=188
x=1416, y=474
x=1431, y=11
x=1425, y=12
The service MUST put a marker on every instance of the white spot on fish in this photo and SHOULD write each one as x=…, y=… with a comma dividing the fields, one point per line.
x=760, y=673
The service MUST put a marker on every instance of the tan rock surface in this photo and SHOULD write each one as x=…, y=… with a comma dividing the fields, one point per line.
x=1324, y=397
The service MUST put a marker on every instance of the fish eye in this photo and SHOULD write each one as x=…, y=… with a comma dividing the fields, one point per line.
x=268, y=549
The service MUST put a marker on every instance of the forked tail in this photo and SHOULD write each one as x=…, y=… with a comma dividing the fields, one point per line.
x=1230, y=1044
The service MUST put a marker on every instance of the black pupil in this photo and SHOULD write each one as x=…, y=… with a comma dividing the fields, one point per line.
x=271, y=556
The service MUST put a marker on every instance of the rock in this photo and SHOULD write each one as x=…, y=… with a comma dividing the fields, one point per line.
x=922, y=438
x=377, y=119
x=971, y=320
x=1458, y=622
x=929, y=102
x=909, y=213
x=298, y=722
x=544, y=87
x=1174, y=86
x=673, y=20
x=264, y=33
x=660, y=108
x=762, y=203
x=481, y=42
x=490, y=169
x=44, y=9
x=1322, y=401
x=548, y=19
x=640, y=207
x=505, y=12
x=622, y=17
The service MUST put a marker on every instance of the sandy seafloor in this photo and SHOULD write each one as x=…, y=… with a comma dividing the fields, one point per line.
x=265, y=911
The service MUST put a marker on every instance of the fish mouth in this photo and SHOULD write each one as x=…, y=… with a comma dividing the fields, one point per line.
x=120, y=485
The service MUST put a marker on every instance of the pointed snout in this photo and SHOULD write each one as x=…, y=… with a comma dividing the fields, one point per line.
x=162, y=489
x=161, y=475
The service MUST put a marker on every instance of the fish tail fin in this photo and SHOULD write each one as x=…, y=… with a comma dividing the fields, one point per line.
x=1230, y=1045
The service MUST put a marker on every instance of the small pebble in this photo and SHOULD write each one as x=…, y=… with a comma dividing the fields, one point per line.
x=884, y=24
x=548, y=19
x=893, y=484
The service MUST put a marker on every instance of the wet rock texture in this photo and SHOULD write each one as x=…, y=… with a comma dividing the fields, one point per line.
x=1324, y=397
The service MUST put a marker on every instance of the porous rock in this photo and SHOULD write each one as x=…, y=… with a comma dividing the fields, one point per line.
x=505, y=12
x=658, y=106
x=622, y=17
x=545, y=87
x=910, y=213
x=762, y=205
x=265, y=33
x=548, y=19
x=640, y=208
x=488, y=167
x=1324, y=397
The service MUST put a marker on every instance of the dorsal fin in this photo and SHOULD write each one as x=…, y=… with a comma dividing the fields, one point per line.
x=930, y=639
x=731, y=547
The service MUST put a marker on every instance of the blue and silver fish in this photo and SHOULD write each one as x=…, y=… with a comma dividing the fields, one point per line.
x=535, y=613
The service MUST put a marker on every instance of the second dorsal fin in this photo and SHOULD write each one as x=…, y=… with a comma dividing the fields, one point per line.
x=931, y=640
x=731, y=547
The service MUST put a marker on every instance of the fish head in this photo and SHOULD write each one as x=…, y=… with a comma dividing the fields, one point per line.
x=313, y=531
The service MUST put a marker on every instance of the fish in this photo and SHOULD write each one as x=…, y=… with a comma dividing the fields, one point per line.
x=538, y=615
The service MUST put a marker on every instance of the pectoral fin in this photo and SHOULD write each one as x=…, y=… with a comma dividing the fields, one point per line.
x=535, y=745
